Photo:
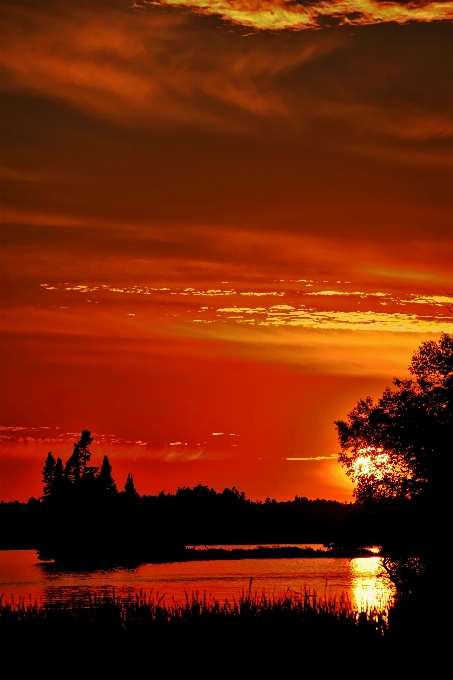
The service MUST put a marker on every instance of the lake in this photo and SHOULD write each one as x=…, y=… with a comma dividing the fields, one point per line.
x=362, y=580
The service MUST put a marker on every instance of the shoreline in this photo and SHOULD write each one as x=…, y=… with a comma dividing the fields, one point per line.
x=200, y=555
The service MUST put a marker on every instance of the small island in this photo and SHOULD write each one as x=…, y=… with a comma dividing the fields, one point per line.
x=82, y=521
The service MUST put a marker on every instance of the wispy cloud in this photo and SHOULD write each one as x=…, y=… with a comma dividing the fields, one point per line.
x=144, y=66
x=15, y=428
x=165, y=69
x=333, y=457
x=30, y=439
x=335, y=309
x=289, y=14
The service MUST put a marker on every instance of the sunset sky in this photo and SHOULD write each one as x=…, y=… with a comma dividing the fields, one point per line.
x=223, y=223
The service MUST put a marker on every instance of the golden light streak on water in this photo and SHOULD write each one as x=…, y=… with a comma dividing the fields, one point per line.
x=371, y=586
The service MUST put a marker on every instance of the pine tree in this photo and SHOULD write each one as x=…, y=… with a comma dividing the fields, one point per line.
x=129, y=487
x=84, y=452
x=72, y=468
x=104, y=478
x=59, y=480
x=48, y=475
x=76, y=465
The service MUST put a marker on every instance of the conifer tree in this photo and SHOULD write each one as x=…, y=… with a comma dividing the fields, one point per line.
x=59, y=480
x=105, y=479
x=84, y=452
x=72, y=469
x=76, y=465
x=129, y=487
x=48, y=475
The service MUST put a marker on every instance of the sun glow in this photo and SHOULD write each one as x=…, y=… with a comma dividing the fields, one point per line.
x=375, y=464
x=388, y=473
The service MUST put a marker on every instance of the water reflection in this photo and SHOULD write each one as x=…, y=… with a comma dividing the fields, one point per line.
x=371, y=586
x=362, y=581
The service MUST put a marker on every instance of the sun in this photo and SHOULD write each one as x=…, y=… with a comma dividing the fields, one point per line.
x=375, y=464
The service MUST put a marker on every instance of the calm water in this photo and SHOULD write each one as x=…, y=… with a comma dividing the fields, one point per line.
x=362, y=580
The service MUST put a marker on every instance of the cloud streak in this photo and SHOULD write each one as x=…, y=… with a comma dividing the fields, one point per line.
x=126, y=66
x=289, y=14
x=332, y=457
x=421, y=313
x=186, y=203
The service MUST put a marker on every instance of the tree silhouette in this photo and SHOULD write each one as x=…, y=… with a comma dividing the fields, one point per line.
x=84, y=452
x=397, y=452
x=76, y=479
x=72, y=499
x=76, y=467
x=129, y=487
x=105, y=480
x=59, y=480
x=48, y=475
x=399, y=446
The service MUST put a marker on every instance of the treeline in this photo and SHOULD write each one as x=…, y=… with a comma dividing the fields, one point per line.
x=82, y=515
x=198, y=516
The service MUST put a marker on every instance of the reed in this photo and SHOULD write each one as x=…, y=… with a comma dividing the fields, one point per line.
x=117, y=632
x=122, y=611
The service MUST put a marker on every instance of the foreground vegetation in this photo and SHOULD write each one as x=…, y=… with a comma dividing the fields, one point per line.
x=259, y=634
x=139, y=612
x=128, y=625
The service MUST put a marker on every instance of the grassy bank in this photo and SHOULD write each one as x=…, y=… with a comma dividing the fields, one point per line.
x=120, y=612
x=297, y=632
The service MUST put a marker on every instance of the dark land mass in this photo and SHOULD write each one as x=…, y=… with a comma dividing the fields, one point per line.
x=198, y=516
x=125, y=528
x=245, y=637
x=158, y=556
x=267, y=552
x=82, y=519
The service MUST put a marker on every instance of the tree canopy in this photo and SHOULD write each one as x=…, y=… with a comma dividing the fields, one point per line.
x=397, y=448
x=76, y=468
x=129, y=487
x=76, y=479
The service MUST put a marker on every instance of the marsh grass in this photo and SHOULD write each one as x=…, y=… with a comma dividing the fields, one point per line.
x=120, y=611
x=117, y=632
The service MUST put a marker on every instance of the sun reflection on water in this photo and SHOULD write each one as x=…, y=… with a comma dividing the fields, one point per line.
x=371, y=585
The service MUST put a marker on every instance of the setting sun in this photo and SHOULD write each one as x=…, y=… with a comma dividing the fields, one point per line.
x=226, y=334
x=376, y=464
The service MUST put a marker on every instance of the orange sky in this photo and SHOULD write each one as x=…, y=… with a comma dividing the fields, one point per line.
x=222, y=224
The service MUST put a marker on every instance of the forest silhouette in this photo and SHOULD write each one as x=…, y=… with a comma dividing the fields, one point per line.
x=395, y=450
x=82, y=518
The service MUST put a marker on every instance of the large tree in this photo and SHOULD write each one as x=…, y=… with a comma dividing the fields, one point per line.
x=76, y=467
x=129, y=487
x=105, y=480
x=48, y=475
x=53, y=477
x=397, y=452
x=399, y=446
